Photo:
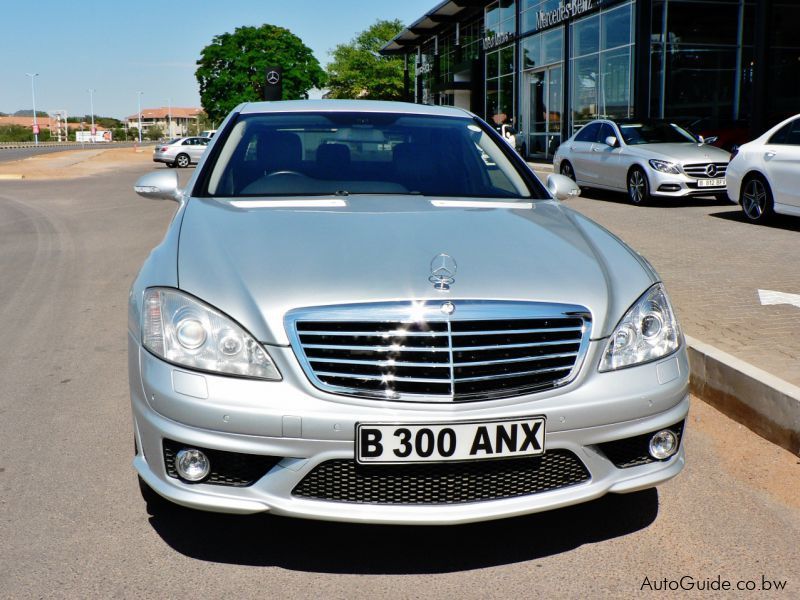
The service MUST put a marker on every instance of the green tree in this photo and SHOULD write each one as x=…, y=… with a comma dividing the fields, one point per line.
x=358, y=71
x=232, y=69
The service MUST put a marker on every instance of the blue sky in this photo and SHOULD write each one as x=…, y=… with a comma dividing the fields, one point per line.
x=119, y=48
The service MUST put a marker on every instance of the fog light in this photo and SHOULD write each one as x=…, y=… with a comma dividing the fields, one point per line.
x=193, y=465
x=663, y=444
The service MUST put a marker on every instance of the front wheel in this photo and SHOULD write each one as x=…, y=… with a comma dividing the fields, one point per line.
x=567, y=170
x=182, y=161
x=638, y=187
x=756, y=200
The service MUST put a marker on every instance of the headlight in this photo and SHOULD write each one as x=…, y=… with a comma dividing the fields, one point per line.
x=665, y=166
x=647, y=332
x=184, y=331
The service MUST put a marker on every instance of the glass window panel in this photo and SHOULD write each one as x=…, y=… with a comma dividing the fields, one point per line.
x=588, y=133
x=492, y=64
x=586, y=36
x=492, y=23
x=505, y=101
x=783, y=83
x=531, y=52
x=555, y=94
x=507, y=60
x=783, y=26
x=702, y=23
x=699, y=81
x=492, y=102
x=508, y=9
x=616, y=27
x=616, y=83
x=553, y=46
x=584, y=89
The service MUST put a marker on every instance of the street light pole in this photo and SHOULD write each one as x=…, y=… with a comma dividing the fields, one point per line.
x=33, y=94
x=91, y=107
x=139, y=98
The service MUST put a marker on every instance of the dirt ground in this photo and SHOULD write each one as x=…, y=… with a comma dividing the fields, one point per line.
x=72, y=164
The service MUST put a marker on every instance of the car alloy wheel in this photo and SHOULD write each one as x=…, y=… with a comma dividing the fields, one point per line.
x=756, y=200
x=637, y=187
x=182, y=161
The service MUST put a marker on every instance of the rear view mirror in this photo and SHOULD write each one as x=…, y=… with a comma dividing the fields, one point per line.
x=159, y=185
x=710, y=139
x=562, y=187
x=611, y=141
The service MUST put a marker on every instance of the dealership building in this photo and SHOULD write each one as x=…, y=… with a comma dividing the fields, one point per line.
x=548, y=66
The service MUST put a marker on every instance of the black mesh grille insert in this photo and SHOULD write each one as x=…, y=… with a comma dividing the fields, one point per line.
x=227, y=468
x=635, y=451
x=442, y=483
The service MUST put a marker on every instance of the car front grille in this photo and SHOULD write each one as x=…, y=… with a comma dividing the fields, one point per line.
x=706, y=170
x=442, y=483
x=482, y=350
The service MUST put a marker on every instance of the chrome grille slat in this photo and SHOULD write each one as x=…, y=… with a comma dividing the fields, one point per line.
x=699, y=170
x=382, y=377
x=484, y=350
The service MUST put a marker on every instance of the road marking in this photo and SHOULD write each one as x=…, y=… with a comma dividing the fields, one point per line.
x=771, y=297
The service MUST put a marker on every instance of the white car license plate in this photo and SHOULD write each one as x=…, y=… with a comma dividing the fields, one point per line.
x=382, y=443
x=710, y=183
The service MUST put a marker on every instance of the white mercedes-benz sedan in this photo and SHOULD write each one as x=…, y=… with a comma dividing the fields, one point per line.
x=645, y=159
x=375, y=312
x=764, y=175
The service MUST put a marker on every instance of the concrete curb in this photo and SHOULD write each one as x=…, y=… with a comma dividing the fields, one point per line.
x=762, y=402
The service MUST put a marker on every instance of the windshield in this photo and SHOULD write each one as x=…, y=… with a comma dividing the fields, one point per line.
x=654, y=133
x=301, y=154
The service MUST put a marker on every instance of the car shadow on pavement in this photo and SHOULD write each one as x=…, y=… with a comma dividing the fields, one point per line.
x=778, y=221
x=622, y=198
x=324, y=547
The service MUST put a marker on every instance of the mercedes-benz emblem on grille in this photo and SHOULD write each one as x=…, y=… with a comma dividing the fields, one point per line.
x=273, y=77
x=711, y=170
x=443, y=270
x=448, y=308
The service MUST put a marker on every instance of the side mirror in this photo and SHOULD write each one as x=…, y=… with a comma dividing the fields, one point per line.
x=611, y=141
x=562, y=187
x=159, y=185
x=710, y=139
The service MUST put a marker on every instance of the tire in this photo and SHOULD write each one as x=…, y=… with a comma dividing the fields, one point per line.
x=638, y=187
x=756, y=199
x=182, y=161
x=567, y=170
x=171, y=165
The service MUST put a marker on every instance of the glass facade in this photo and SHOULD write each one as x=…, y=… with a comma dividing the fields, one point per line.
x=500, y=18
x=549, y=66
x=700, y=58
x=601, y=57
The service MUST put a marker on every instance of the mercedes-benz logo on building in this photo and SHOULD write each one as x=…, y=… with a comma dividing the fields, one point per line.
x=711, y=170
x=273, y=77
x=443, y=270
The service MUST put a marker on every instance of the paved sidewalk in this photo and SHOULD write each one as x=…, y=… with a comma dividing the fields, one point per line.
x=714, y=263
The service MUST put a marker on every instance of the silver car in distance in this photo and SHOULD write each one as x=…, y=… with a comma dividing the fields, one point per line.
x=645, y=159
x=375, y=312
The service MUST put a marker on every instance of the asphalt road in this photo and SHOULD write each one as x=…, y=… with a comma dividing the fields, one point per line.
x=72, y=523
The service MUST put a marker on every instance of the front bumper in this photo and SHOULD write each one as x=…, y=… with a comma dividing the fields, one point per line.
x=305, y=427
x=671, y=185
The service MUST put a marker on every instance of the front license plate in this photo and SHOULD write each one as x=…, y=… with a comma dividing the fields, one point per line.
x=711, y=183
x=381, y=443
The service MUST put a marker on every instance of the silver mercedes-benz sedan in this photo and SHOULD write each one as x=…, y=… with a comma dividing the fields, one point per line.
x=646, y=159
x=180, y=152
x=375, y=312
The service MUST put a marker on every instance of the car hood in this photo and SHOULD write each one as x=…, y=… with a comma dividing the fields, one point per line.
x=256, y=262
x=682, y=153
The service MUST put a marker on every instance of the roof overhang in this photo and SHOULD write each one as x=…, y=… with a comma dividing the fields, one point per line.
x=430, y=24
